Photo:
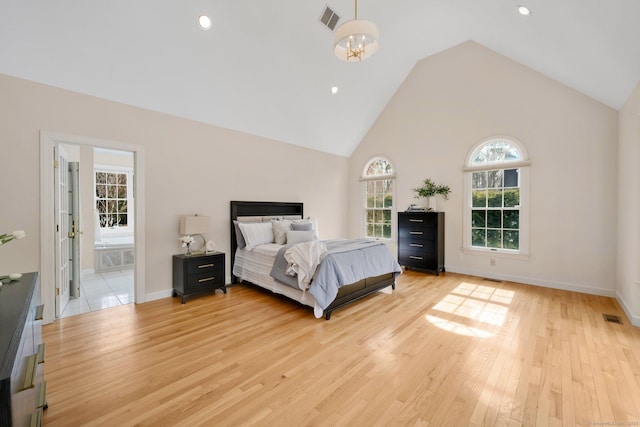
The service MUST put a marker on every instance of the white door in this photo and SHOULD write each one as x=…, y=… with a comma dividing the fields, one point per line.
x=74, y=224
x=61, y=210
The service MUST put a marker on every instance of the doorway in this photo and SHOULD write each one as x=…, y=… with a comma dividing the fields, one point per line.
x=124, y=217
x=95, y=209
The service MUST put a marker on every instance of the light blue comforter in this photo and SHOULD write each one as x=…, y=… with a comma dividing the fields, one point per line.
x=345, y=262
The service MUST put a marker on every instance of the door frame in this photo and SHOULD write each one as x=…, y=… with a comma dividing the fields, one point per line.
x=47, y=213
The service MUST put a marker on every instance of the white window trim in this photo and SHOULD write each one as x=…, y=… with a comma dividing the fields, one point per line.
x=378, y=177
x=366, y=178
x=524, y=166
x=130, y=197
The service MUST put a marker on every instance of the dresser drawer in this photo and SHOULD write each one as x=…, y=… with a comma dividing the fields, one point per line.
x=418, y=259
x=418, y=221
x=416, y=247
x=417, y=234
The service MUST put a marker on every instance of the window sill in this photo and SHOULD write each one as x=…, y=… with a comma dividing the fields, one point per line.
x=495, y=253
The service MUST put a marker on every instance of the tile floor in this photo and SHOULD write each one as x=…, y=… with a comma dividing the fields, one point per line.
x=101, y=290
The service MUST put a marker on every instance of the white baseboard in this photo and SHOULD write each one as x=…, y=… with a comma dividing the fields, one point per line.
x=635, y=319
x=537, y=282
x=167, y=293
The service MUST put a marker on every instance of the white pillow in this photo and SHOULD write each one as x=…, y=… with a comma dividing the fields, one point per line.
x=280, y=229
x=256, y=233
x=295, y=236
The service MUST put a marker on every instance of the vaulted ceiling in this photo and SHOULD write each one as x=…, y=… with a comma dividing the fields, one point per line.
x=266, y=67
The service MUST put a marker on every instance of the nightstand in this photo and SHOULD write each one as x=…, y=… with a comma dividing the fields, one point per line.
x=198, y=273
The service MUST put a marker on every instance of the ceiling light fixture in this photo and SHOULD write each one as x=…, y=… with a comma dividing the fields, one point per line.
x=524, y=10
x=334, y=89
x=204, y=21
x=356, y=39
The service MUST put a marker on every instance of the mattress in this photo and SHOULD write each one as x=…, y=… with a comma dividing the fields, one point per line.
x=255, y=266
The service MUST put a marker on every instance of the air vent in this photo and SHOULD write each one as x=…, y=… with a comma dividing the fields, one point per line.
x=329, y=18
x=612, y=318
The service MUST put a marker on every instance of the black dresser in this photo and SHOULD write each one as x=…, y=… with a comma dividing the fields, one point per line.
x=421, y=241
x=22, y=385
x=198, y=273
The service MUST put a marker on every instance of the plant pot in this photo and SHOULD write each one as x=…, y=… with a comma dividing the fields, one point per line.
x=432, y=204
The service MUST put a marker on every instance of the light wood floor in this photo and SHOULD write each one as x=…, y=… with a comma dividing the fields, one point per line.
x=450, y=350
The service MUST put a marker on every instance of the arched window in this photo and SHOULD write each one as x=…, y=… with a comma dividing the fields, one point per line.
x=496, y=193
x=378, y=187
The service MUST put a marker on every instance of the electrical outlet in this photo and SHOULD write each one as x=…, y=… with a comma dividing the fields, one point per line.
x=492, y=262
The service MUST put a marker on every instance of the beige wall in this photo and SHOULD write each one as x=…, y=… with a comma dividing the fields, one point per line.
x=190, y=167
x=628, y=277
x=455, y=99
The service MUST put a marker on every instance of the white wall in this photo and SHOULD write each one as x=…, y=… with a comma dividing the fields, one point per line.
x=628, y=268
x=457, y=98
x=190, y=167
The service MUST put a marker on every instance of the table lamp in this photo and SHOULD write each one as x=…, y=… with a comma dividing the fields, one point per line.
x=195, y=225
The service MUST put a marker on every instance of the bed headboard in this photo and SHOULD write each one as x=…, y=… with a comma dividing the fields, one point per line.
x=240, y=209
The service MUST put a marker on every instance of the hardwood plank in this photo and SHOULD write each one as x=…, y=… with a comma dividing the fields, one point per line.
x=449, y=350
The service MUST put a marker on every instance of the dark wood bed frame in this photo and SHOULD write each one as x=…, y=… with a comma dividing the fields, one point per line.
x=347, y=294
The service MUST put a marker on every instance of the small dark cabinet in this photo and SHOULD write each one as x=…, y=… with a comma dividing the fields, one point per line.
x=198, y=273
x=421, y=241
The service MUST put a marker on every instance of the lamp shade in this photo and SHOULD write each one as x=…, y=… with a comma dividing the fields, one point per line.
x=195, y=224
x=356, y=40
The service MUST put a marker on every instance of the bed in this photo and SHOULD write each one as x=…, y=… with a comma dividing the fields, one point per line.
x=253, y=266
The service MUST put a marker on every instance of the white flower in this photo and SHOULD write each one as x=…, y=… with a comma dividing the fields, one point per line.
x=6, y=238
x=186, y=240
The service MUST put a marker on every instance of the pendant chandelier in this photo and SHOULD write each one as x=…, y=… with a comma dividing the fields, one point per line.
x=356, y=40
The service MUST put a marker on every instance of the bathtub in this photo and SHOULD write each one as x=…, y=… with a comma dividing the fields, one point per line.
x=114, y=253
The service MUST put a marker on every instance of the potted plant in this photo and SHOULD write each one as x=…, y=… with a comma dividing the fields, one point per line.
x=429, y=190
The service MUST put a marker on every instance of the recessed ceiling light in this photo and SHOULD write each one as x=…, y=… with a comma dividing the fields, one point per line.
x=204, y=21
x=334, y=89
x=524, y=10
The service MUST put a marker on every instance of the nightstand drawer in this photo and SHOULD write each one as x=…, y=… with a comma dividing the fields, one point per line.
x=212, y=278
x=204, y=264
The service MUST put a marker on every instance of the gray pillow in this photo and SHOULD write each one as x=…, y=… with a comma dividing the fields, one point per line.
x=302, y=226
x=239, y=237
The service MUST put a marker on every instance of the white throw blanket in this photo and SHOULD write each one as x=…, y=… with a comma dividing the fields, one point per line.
x=303, y=259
